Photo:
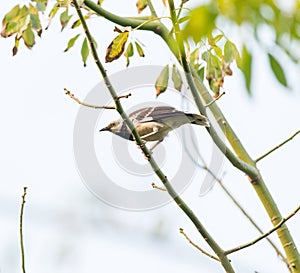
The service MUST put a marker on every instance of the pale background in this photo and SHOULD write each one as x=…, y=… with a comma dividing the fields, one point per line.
x=67, y=229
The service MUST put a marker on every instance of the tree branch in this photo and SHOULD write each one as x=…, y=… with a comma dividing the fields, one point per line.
x=277, y=147
x=151, y=7
x=67, y=92
x=154, y=186
x=216, y=248
x=198, y=247
x=21, y=229
x=282, y=221
x=182, y=205
x=205, y=167
x=143, y=24
x=72, y=96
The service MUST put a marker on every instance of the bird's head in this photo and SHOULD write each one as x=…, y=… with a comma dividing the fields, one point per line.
x=114, y=127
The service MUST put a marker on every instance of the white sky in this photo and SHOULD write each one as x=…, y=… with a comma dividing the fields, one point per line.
x=68, y=230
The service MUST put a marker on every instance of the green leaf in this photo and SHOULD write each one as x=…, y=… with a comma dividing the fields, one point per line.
x=28, y=37
x=76, y=24
x=218, y=51
x=11, y=15
x=71, y=42
x=245, y=65
x=212, y=41
x=214, y=73
x=176, y=78
x=200, y=72
x=18, y=21
x=52, y=13
x=116, y=47
x=277, y=70
x=64, y=3
x=41, y=4
x=85, y=51
x=139, y=49
x=161, y=83
x=35, y=20
x=128, y=53
x=23, y=19
x=141, y=5
x=194, y=57
x=201, y=23
x=231, y=52
x=183, y=19
x=65, y=18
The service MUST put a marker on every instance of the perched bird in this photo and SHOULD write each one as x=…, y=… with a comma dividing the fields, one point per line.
x=154, y=123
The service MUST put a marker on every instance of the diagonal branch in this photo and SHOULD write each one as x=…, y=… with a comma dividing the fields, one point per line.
x=72, y=96
x=283, y=220
x=277, y=147
x=196, y=246
x=217, y=249
x=182, y=205
x=205, y=167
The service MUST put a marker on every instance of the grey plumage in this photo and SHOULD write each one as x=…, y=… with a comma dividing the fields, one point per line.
x=154, y=123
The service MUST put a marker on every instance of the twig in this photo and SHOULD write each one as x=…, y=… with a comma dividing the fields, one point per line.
x=125, y=96
x=214, y=100
x=151, y=20
x=277, y=147
x=86, y=104
x=198, y=247
x=21, y=229
x=283, y=220
x=158, y=188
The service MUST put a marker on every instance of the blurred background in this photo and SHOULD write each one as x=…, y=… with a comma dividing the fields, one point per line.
x=67, y=229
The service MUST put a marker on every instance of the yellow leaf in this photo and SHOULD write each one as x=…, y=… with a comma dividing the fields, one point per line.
x=116, y=47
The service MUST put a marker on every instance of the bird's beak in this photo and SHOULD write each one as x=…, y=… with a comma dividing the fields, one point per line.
x=104, y=129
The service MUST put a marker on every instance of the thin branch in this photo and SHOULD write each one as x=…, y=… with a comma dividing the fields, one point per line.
x=214, y=100
x=156, y=26
x=151, y=20
x=21, y=229
x=67, y=92
x=213, y=244
x=151, y=7
x=126, y=96
x=205, y=167
x=157, y=187
x=283, y=220
x=198, y=247
x=277, y=147
x=178, y=200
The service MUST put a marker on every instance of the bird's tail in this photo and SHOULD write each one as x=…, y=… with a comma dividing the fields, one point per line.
x=198, y=119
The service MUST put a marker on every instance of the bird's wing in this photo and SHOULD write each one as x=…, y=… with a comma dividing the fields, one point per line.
x=158, y=113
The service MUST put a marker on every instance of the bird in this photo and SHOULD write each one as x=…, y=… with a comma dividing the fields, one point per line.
x=154, y=123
